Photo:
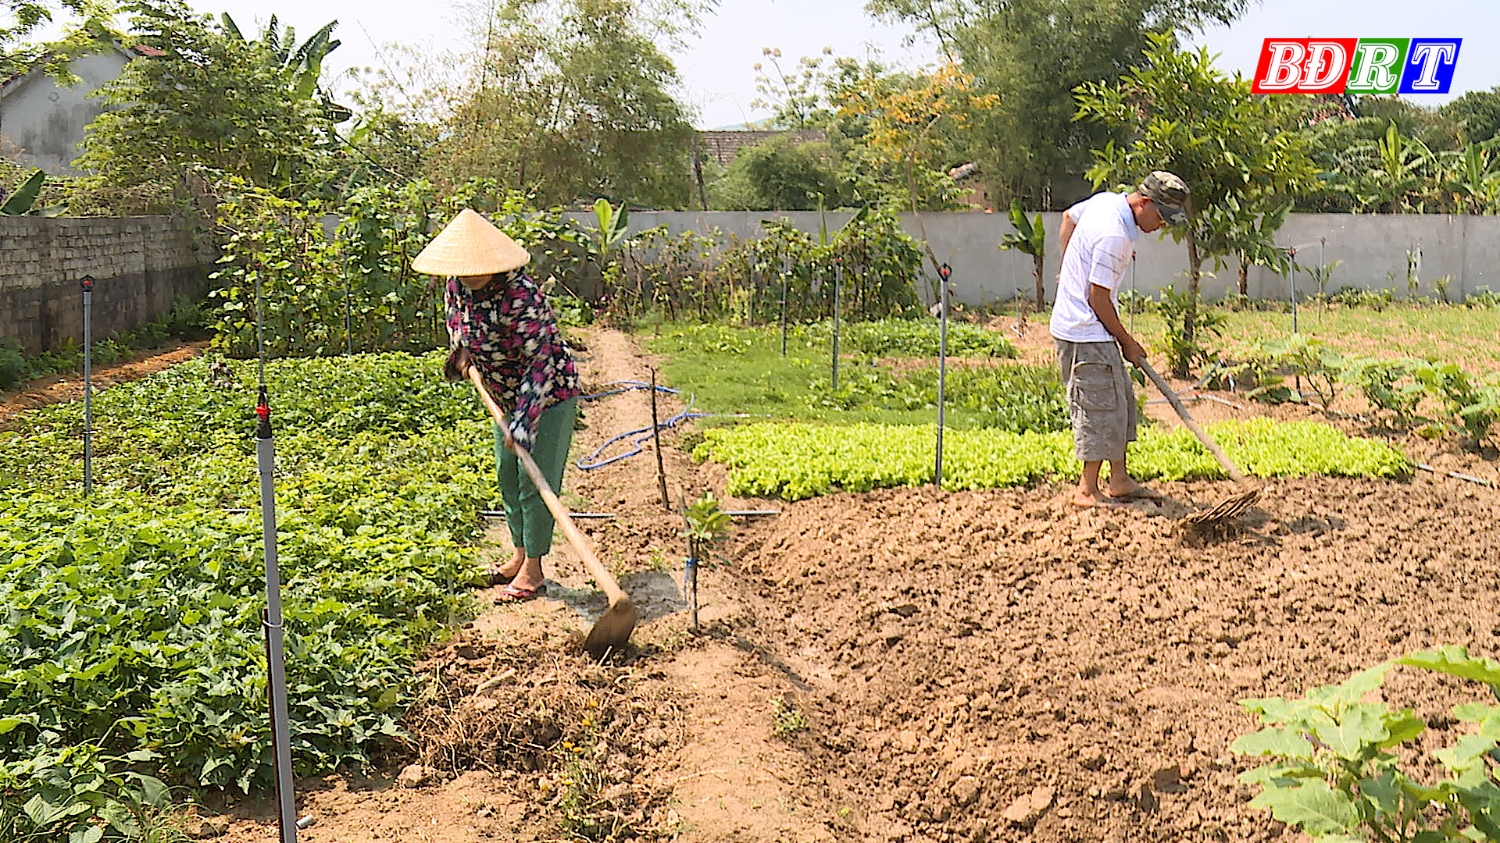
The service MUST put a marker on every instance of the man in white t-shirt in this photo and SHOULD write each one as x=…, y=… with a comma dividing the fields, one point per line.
x=1098, y=241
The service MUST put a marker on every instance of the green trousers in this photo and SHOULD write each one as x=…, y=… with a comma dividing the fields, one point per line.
x=526, y=513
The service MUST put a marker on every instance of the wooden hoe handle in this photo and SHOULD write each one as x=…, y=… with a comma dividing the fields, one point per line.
x=576, y=538
x=1211, y=445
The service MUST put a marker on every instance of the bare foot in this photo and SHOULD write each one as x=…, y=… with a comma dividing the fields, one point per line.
x=1087, y=501
x=530, y=576
x=1129, y=490
x=503, y=574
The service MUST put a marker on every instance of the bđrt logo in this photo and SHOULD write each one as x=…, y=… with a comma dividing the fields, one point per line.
x=1356, y=66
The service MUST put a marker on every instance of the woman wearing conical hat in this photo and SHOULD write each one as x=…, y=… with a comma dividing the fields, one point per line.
x=499, y=322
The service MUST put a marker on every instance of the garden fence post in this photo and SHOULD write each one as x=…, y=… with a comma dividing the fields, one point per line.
x=838, y=283
x=943, y=274
x=271, y=620
x=754, y=291
x=786, y=271
x=88, y=385
x=1291, y=274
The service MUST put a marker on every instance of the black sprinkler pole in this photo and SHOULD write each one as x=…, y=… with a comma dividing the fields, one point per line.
x=88, y=385
x=943, y=273
x=838, y=284
x=786, y=271
x=265, y=457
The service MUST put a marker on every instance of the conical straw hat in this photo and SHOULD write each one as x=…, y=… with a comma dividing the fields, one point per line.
x=470, y=245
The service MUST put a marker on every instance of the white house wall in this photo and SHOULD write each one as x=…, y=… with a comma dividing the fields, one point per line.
x=41, y=122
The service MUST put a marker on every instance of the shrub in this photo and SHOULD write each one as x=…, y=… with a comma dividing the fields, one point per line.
x=13, y=368
x=1357, y=297
x=1183, y=354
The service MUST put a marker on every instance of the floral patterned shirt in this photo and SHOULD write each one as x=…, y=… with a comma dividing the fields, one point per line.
x=512, y=335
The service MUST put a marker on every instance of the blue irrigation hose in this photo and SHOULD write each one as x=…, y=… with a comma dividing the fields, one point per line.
x=627, y=386
x=592, y=461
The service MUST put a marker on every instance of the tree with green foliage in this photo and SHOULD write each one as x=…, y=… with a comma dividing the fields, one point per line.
x=856, y=104
x=1031, y=54
x=798, y=99
x=782, y=173
x=1477, y=115
x=569, y=100
x=210, y=101
x=1231, y=147
x=89, y=28
x=300, y=64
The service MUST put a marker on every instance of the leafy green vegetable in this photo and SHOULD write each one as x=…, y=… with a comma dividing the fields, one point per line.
x=131, y=637
x=1340, y=769
x=796, y=461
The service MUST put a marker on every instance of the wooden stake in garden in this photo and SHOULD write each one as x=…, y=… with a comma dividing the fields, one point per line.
x=690, y=583
x=1291, y=280
x=754, y=291
x=661, y=470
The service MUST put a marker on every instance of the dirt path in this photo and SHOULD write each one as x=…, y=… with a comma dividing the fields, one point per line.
x=912, y=665
x=56, y=389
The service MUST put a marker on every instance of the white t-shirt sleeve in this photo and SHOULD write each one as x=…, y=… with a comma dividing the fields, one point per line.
x=1075, y=213
x=1111, y=257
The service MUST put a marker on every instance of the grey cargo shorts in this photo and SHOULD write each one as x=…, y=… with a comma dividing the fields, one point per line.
x=1101, y=398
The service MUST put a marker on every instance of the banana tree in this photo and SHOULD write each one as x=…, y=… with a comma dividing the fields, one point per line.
x=609, y=234
x=300, y=64
x=1029, y=238
x=22, y=201
x=1472, y=180
x=1395, y=171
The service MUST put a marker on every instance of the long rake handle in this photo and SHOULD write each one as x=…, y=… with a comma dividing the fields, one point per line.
x=576, y=538
x=1210, y=444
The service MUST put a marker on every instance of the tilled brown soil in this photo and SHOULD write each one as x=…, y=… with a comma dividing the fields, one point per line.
x=996, y=665
x=55, y=389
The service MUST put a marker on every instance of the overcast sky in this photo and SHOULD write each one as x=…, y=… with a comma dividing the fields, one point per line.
x=717, y=66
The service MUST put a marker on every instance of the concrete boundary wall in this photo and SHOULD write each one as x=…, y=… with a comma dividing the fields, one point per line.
x=1373, y=248
x=139, y=265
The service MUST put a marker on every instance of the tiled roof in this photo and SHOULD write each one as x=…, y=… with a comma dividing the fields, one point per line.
x=723, y=145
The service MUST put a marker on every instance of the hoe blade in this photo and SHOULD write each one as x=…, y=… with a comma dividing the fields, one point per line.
x=612, y=629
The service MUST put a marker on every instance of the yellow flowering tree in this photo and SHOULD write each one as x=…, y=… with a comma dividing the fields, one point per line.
x=915, y=123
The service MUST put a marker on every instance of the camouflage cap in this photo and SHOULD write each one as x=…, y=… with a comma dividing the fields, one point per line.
x=1169, y=193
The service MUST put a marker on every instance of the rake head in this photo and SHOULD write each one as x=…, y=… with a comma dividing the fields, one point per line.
x=1226, y=510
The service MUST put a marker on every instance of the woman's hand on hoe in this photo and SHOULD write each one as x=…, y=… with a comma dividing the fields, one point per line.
x=456, y=368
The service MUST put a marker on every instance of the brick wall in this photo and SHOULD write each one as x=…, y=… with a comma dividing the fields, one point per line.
x=139, y=265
